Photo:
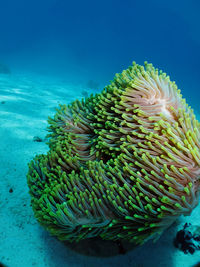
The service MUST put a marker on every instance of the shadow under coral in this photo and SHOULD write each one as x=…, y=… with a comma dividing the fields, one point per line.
x=97, y=247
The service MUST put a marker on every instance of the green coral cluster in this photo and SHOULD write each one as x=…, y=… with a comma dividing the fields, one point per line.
x=122, y=164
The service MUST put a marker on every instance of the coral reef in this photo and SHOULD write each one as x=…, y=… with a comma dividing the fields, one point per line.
x=188, y=239
x=122, y=164
x=4, y=69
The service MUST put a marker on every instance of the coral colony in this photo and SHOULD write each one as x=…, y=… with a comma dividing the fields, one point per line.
x=122, y=164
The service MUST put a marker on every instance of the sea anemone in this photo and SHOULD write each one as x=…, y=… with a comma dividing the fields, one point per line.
x=123, y=164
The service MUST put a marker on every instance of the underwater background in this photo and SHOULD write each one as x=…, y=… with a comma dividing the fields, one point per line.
x=80, y=40
x=55, y=51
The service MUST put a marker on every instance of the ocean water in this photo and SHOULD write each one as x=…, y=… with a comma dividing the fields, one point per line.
x=54, y=51
x=95, y=39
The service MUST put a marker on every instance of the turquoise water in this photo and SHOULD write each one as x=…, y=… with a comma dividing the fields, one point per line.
x=96, y=39
x=54, y=51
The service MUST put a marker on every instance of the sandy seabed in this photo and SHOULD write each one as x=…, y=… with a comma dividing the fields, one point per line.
x=25, y=103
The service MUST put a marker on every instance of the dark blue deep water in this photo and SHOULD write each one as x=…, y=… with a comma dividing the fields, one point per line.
x=85, y=42
x=96, y=39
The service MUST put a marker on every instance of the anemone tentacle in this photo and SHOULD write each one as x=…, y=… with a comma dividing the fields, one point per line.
x=122, y=164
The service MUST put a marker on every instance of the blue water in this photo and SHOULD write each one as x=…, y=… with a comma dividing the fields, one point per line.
x=99, y=38
x=89, y=41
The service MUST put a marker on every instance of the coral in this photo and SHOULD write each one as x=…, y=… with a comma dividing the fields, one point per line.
x=122, y=164
x=188, y=239
x=4, y=69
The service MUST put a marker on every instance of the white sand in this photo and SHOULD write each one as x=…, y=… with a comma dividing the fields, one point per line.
x=29, y=100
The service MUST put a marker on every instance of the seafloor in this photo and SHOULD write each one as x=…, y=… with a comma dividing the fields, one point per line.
x=25, y=104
